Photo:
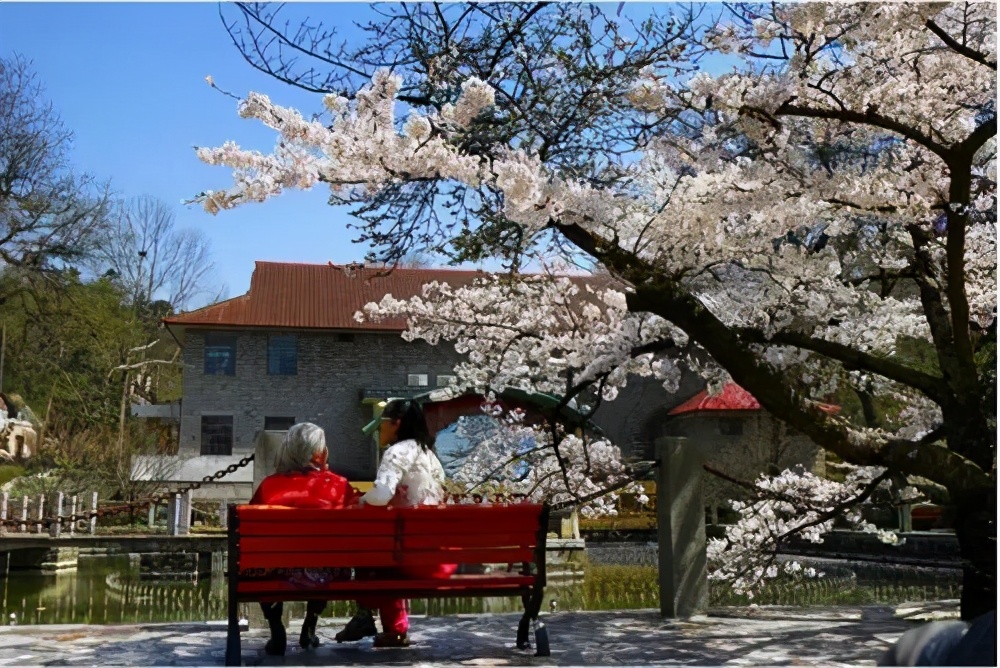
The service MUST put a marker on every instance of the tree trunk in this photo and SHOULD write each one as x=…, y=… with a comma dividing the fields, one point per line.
x=976, y=530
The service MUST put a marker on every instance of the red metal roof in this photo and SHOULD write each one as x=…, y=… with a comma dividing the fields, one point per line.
x=317, y=296
x=732, y=398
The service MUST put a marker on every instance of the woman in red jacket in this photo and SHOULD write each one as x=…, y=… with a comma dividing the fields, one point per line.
x=302, y=480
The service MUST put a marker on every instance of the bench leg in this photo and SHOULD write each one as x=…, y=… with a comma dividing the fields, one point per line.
x=532, y=604
x=234, y=654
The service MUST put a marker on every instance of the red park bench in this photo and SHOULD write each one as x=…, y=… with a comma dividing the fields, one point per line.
x=263, y=538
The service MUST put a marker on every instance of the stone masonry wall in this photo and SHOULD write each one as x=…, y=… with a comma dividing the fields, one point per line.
x=333, y=371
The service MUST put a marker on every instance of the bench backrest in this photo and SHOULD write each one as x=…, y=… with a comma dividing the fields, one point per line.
x=372, y=537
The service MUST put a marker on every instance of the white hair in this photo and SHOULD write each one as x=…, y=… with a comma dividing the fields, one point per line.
x=302, y=442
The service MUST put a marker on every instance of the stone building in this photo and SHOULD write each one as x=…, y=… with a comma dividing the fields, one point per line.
x=290, y=350
x=739, y=438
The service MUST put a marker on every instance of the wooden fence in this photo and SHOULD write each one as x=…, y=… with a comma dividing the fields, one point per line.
x=61, y=514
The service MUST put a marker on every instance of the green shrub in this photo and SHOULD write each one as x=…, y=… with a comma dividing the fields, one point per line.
x=10, y=471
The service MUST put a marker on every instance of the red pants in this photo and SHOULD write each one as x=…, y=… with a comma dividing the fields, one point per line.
x=392, y=612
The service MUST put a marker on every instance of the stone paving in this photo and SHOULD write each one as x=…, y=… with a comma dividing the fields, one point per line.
x=768, y=635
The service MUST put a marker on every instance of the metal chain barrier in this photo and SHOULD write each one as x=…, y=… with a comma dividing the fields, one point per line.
x=132, y=506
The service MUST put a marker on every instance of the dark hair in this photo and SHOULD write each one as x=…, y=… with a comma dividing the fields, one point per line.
x=9, y=405
x=412, y=422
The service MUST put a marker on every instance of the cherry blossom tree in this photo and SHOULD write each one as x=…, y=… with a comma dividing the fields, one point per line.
x=510, y=454
x=807, y=220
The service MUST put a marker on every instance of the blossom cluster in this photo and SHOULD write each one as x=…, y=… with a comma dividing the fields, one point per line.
x=510, y=455
x=793, y=503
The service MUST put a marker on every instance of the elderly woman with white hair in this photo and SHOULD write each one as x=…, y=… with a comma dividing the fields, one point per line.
x=302, y=480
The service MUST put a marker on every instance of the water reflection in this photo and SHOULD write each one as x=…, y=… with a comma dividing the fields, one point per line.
x=107, y=590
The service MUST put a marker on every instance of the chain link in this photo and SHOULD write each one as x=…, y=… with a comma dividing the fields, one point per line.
x=132, y=506
x=112, y=511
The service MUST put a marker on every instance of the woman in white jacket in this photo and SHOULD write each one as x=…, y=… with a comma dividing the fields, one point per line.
x=409, y=474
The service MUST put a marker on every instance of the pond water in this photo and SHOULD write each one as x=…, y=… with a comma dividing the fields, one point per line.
x=108, y=590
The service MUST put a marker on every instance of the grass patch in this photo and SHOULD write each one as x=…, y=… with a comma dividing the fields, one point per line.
x=10, y=471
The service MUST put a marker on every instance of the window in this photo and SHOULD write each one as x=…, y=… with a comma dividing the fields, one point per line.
x=278, y=423
x=446, y=380
x=416, y=380
x=731, y=426
x=282, y=355
x=220, y=354
x=216, y=434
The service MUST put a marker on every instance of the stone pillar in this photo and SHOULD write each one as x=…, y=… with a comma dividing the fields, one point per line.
x=174, y=515
x=93, y=518
x=905, y=518
x=187, y=509
x=680, y=516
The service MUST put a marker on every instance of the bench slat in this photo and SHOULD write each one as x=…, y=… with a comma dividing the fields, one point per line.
x=472, y=556
x=474, y=512
x=383, y=559
x=283, y=559
x=524, y=512
x=382, y=526
x=454, y=586
x=276, y=513
x=251, y=544
x=466, y=540
x=421, y=526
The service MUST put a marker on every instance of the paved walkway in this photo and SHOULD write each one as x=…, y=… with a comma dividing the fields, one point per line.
x=767, y=635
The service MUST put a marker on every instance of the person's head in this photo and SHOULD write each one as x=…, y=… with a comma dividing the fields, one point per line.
x=403, y=419
x=304, y=447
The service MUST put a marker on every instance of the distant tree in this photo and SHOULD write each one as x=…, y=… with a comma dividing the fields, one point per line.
x=64, y=337
x=152, y=261
x=48, y=215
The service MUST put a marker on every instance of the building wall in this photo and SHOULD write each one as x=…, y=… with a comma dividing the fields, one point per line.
x=744, y=444
x=639, y=414
x=333, y=372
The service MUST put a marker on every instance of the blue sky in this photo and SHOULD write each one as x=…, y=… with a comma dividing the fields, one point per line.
x=129, y=81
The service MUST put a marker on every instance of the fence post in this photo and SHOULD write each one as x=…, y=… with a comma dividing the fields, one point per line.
x=24, y=515
x=223, y=514
x=93, y=518
x=59, y=514
x=41, y=513
x=72, y=525
x=174, y=515
x=188, y=508
x=151, y=516
x=3, y=511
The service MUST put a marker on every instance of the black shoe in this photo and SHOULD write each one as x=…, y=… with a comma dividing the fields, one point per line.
x=391, y=640
x=362, y=625
x=308, y=639
x=276, y=645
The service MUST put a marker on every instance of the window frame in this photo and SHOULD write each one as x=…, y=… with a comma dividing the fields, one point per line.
x=290, y=419
x=731, y=426
x=275, y=364
x=422, y=379
x=218, y=340
x=208, y=448
x=448, y=378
